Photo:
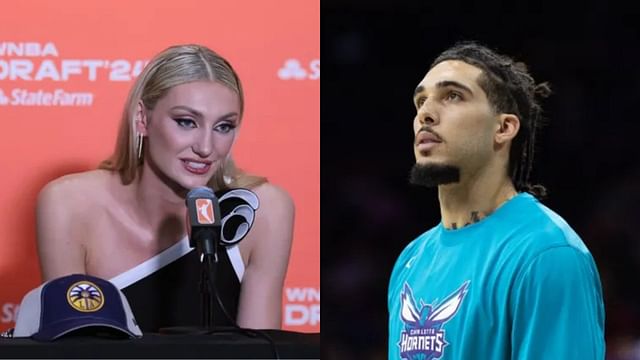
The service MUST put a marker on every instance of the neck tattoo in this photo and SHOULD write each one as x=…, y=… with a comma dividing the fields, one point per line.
x=475, y=217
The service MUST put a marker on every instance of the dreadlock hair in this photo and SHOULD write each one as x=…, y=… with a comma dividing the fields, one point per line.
x=510, y=89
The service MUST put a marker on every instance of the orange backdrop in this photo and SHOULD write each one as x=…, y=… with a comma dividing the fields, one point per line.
x=66, y=67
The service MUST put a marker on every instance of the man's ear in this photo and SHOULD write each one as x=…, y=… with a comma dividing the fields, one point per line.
x=141, y=119
x=507, y=129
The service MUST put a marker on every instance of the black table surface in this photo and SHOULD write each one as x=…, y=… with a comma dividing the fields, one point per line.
x=221, y=344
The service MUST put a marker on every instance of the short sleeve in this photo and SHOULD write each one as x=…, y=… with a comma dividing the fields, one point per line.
x=556, y=307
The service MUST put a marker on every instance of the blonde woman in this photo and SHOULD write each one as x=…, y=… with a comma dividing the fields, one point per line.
x=125, y=221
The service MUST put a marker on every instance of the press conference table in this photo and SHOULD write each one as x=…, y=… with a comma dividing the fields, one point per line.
x=151, y=345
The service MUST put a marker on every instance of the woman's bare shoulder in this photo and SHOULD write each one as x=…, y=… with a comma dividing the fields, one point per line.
x=276, y=207
x=67, y=207
x=77, y=189
x=273, y=195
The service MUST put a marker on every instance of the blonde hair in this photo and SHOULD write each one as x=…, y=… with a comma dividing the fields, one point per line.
x=175, y=65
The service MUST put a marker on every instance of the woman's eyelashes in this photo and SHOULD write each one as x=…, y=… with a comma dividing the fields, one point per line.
x=223, y=127
x=185, y=122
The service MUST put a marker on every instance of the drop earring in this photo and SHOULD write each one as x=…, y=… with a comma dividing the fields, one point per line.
x=140, y=139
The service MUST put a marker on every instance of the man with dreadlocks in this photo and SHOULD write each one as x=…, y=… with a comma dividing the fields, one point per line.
x=501, y=276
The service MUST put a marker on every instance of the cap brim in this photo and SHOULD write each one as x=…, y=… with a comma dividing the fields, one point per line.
x=61, y=328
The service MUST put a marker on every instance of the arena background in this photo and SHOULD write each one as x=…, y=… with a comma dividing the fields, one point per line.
x=587, y=155
x=66, y=67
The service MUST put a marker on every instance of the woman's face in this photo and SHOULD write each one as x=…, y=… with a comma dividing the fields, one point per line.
x=191, y=130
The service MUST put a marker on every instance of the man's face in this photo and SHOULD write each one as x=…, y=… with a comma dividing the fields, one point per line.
x=455, y=123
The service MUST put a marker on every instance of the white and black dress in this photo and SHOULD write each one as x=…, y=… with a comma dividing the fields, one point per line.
x=164, y=291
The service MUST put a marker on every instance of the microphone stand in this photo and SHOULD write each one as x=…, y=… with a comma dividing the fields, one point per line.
x=207, y=249
x=209, y=263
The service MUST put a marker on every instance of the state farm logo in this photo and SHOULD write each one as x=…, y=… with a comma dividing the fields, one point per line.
x=294, y=69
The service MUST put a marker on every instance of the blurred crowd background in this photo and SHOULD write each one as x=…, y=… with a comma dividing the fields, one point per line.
x=587, y=155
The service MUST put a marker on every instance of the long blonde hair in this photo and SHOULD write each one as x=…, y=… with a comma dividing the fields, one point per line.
x=174, y=66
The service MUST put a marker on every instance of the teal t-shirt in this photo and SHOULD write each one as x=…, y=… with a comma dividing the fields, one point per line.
x=518, y=284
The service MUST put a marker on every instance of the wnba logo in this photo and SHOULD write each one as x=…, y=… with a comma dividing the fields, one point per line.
x=205, y=211
x=85, y=296
x=303, y=306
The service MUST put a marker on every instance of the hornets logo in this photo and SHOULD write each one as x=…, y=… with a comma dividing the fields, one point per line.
x=423, y=337
x=85, y=296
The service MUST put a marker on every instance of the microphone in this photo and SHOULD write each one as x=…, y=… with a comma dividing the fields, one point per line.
x=208, y=229
x=203, y=220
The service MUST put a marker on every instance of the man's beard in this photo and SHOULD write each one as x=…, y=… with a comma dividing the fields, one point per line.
x=432, y=175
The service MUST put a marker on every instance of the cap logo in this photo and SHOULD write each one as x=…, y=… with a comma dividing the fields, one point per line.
x=85, y=296
x=205, y=211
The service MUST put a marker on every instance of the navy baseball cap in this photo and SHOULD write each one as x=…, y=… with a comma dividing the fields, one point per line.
x=74, y=302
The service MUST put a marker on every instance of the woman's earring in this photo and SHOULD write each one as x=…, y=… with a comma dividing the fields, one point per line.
x=140, y=139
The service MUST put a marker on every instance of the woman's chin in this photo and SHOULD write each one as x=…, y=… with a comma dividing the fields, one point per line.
x=192, y=183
